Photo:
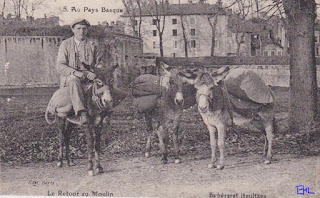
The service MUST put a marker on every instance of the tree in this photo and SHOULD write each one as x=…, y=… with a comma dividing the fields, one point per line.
x=17, y=6
x=299, y=21
x=243, y=12
x=212, y=18
x=301, y=16
x=2, y=11
x=133, y=9
x=158, y=9
x=29, y=6
x=185, y=39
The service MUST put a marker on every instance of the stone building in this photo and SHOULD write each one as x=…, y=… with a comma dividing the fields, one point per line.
x=197, y=19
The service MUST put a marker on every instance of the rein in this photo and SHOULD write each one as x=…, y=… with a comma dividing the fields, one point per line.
x=95, y=92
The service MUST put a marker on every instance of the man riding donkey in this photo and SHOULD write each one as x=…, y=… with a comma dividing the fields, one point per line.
x=77, y=57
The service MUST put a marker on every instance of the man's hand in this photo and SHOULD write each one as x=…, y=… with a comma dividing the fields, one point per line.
x=90, y=75
x=78, y=74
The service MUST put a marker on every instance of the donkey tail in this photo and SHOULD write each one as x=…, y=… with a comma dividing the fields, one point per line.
x=47, y=116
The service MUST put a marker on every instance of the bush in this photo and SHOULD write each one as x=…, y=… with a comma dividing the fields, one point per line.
x=96, y=31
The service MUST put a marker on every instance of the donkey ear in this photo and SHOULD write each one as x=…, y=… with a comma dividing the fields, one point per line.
x=220, y=74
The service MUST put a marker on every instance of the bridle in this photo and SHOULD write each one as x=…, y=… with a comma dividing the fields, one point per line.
x=96, y=91
x=208, y=97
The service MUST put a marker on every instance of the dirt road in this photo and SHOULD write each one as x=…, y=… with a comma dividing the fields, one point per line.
x=139, y=176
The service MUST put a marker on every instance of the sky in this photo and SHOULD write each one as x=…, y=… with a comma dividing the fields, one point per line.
x=94, y=11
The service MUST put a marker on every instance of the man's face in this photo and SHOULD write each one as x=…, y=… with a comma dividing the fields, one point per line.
x=80, y=31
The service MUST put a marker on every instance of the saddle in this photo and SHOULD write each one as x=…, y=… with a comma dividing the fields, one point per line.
x=60, y=103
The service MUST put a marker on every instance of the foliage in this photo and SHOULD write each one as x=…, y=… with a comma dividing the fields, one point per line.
x=96, y=31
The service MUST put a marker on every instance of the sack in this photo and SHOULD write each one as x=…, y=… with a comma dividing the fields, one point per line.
x=247, y=85
x=145, y=103
x=146, y=85
x=60, y=102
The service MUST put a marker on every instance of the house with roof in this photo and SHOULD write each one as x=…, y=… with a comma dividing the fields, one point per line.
x=197, y=19
x=262, y=37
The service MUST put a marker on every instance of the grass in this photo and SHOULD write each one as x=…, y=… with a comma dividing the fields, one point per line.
x=26, y=137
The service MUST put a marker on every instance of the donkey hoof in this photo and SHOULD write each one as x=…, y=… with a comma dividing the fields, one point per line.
x=211, y=165
x=59, y=164
x=220, y=167
x=99, y=170
x=177, y=161
x=90, y=173
x=71, y=164
x=147, y=154
x=267, y=161
x=164, y=161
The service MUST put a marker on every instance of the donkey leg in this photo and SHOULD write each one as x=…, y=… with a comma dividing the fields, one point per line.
x=89, y=149
x=148, y=121
x=175, y=134
x=269, y=128
x=97, y=147
x=69, y=128
x=62, y=123
x=212, y=131
x=221, y=145
x=163, y=141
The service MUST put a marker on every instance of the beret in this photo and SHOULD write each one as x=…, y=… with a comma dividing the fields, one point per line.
x=77, y=21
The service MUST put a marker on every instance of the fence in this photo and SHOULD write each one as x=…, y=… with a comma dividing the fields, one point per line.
x=274, y=71
x=28, y=60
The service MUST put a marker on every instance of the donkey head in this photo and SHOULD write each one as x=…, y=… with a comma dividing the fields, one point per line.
x=209, y=92
x=101, y=93
x=173, y=83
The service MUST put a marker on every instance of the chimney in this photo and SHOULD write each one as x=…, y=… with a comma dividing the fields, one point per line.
x=219, y=3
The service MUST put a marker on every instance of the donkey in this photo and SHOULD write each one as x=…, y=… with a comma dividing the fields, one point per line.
x=100, y=95
x=219, y=108
x=166, y=111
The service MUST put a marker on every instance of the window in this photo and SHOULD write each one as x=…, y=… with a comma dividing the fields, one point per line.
x=316, y=39
x=193, y=43
x=279, y=53
x=272, y=53
x=135, y=22
x=317, y=51
x=192, y=20
x=265, y=53
x=193, y=32
x=154, y=45
x=174, y=32
x=216, y=43
x=154, y=32
x=175, y=44
x=154, y=22
x=173, y=54
x=174, y=21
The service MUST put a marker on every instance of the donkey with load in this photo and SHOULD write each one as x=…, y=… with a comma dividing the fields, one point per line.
x=232, y=96
x=161, y=98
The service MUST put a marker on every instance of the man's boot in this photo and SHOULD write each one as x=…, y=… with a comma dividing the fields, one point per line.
x=79, y=120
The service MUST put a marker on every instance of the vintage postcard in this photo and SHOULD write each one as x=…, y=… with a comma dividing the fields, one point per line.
x=159, y=98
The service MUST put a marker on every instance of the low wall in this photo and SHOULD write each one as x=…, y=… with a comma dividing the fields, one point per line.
x=274, y=75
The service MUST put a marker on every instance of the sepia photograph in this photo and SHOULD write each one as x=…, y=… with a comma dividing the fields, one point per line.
x=160, y=98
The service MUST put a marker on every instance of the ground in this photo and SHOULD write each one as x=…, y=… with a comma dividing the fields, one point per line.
x=29, y=150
